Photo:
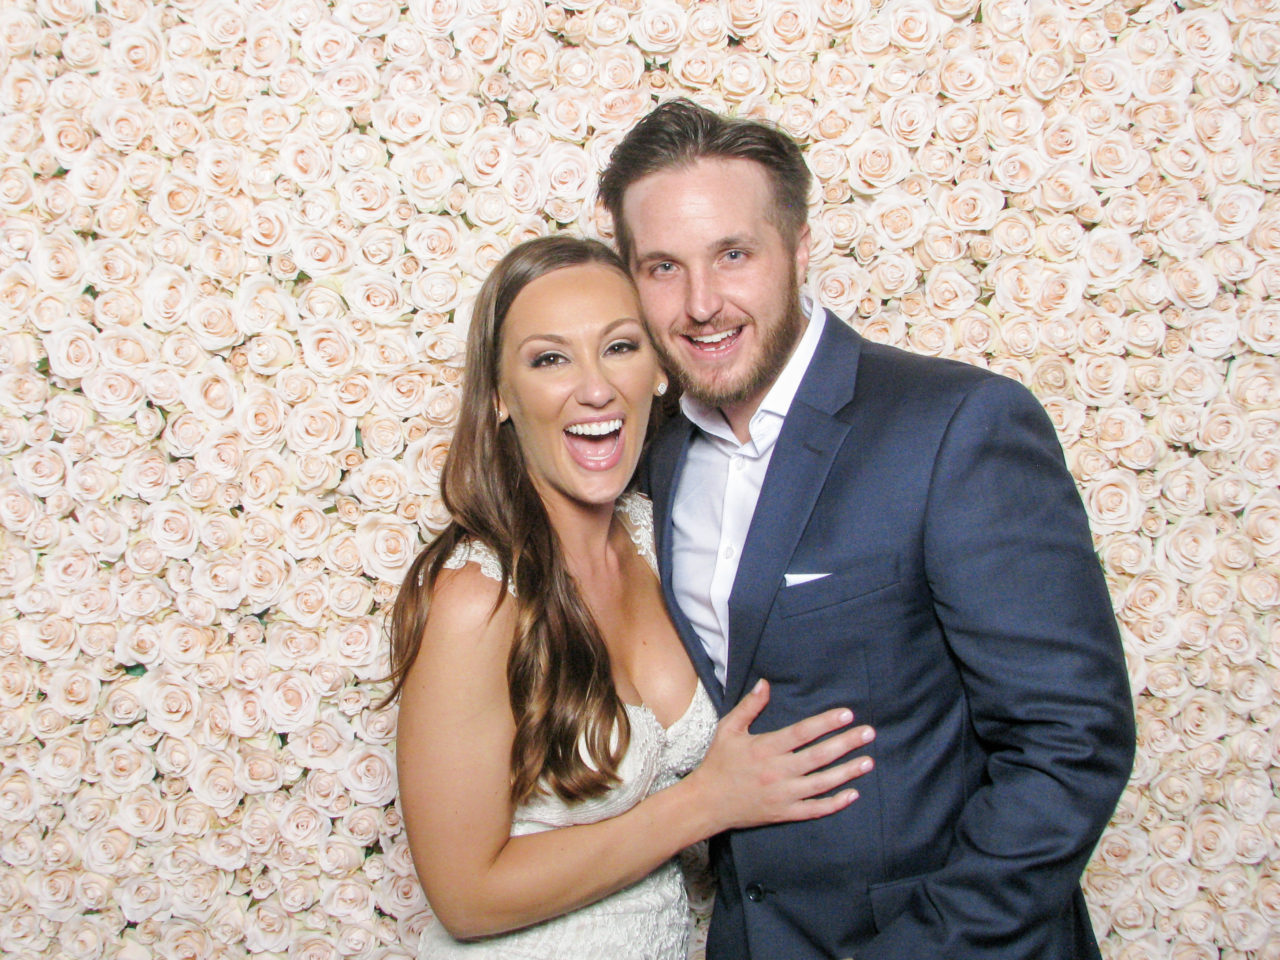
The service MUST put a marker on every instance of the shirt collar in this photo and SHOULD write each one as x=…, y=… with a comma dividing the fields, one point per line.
x=778, y=400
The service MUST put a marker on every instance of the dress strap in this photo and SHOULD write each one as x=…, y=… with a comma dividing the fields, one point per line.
x=635, y=510
x=473, y=551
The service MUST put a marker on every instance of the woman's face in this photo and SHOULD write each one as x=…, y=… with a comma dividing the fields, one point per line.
x=577, y=376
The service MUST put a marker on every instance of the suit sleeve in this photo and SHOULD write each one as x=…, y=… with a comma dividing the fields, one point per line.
x=1021, y=598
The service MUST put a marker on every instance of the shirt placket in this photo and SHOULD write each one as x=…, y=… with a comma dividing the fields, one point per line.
x=738, y=504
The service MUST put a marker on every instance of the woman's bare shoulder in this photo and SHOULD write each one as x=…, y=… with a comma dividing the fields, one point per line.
x=466, y=641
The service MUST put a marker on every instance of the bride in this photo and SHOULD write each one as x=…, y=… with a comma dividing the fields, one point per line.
x=555, y=747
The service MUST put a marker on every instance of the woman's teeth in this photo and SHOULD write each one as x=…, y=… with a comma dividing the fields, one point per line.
x=599, y=428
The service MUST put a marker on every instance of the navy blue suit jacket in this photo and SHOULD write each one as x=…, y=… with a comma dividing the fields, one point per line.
x=966, y=618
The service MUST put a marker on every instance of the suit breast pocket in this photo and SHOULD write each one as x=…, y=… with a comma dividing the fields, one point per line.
x=852, y=580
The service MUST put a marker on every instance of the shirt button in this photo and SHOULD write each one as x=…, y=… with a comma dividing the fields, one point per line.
x=728, y=552
x=739, y=463
x=755, y=892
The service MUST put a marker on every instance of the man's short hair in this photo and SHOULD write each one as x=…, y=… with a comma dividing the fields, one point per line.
x=678, y=133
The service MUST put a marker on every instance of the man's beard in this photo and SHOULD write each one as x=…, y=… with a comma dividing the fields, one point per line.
x=777, y=343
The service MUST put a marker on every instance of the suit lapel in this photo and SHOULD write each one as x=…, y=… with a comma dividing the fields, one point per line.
x=666, y=460
x=811, y=436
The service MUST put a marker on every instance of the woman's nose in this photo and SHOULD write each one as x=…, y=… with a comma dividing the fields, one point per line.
x=594, y=388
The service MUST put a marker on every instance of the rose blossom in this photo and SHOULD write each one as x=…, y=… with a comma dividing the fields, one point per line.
x=972, y=205
x=897, y=219
x=368, y=774
x=1260, y=329
x=876, y=162
x=1216, y=126
x=1113, y=502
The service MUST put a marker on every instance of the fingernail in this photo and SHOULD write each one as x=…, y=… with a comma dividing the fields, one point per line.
x=868, y=735
x=846, y=716
x=867, y=764
x=851, y=796
x=759, y=686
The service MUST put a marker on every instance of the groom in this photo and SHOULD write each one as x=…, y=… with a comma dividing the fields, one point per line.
x=864, y=527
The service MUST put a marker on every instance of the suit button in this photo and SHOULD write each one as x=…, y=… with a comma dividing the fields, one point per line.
x=755, y=892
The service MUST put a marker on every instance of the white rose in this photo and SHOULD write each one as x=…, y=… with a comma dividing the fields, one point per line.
x=1192, y=283
x=1260, y=328
x=387, y=546
x=212, y=780
x=257, y=770
x=171, y=701
x=61, y=763
x=841, y=286
x=316, y=425
x=972, y=205
x=1203, y=36
x=876, y=162
x=1064, y=188
x=1114, y=503
x=949, y=292
x=290, y=700
x=369, y=774
x=265, y=573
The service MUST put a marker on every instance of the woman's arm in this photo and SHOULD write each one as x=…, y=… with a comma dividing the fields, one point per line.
x=454, y=749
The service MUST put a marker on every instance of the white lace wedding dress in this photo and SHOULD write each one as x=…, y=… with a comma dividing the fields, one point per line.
x=648, y=920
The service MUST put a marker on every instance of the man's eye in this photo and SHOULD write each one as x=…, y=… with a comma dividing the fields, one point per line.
x=735, y=255
x=666, y=266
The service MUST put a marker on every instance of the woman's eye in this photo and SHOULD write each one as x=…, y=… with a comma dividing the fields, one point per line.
x=546, y=359
x=622, y=346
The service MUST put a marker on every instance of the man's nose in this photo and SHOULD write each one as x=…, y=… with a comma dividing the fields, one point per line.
x=703, y=300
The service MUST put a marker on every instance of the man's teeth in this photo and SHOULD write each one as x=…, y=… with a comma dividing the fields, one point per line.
x=714, y=337
x=598, y=429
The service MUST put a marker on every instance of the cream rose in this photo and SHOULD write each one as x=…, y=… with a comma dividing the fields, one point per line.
x=387, y=546
x=876, y=162
x=369, y=774
x=1113, y=502
x=897, y=219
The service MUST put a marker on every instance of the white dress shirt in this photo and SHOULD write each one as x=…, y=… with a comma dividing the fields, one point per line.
x=717, y=493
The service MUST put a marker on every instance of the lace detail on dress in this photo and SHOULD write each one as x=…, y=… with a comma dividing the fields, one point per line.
x=650, y=919
x=473, y=551
x=636, y=513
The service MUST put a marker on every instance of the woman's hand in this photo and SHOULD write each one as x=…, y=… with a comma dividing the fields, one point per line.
x=748, y=780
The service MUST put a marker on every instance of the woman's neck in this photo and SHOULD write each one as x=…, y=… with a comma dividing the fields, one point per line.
x=584, y=532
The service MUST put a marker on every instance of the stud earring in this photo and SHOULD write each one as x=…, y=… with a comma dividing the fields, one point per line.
x=662, y=388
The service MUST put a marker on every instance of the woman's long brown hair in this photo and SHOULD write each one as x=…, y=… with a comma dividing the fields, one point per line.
x=558, y=674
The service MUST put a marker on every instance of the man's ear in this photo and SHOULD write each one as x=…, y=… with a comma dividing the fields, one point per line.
x=803, y=239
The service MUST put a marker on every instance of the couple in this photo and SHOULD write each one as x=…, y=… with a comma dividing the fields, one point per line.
x=842, y=529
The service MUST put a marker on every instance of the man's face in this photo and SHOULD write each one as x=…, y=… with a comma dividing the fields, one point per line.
x=718, y=280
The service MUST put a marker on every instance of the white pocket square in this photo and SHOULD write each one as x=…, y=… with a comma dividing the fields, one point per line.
x=793, y=579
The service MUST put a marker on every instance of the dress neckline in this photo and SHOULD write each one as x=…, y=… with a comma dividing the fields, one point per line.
x=645, y=710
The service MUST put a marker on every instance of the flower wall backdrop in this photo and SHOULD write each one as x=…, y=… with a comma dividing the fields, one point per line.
x=237, y=244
